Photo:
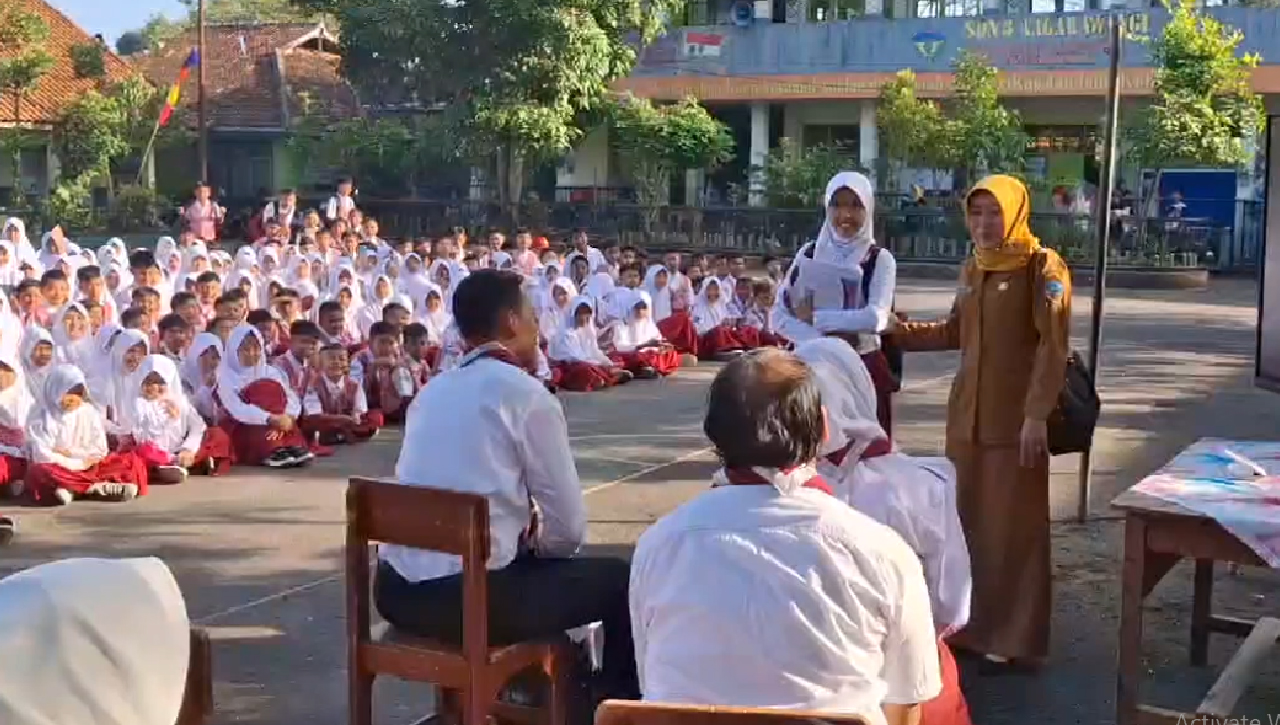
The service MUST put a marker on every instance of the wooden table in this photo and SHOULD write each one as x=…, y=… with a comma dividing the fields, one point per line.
x=1157, y=535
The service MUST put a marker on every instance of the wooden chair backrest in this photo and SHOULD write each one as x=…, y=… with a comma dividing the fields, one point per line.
x=197, y=698
x=431, y=519
x=631, y=712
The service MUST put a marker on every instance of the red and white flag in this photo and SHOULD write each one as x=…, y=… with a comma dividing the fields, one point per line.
x=703, y=45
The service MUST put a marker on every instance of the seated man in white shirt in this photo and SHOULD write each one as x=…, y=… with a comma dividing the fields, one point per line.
x=767, y=591
x=490, y=427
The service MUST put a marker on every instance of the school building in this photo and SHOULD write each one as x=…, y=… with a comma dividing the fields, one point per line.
x=810, y=70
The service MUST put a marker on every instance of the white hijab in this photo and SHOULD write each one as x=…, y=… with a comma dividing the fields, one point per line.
x=916, y=497
x=191, y=374
x=25, y=252
x=93, y=641
x=661, y=307
x=34, y=376
x=578, y=344
x=123, y=383
x=707, y=314
x=632, y=332
x=552, y=317
x=151, y=419
x=435, y=322
x=833, y=248
x=232, y=376
x=15, y=400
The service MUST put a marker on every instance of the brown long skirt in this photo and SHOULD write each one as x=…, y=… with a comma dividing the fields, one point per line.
x=1004, y=509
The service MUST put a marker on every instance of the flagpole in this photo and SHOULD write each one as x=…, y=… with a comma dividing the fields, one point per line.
x=203, y=120
x=151, y=144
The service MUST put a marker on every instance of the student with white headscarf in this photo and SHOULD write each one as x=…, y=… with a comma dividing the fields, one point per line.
x=15, y=409
x=199, y=373
x=262, y=408
x=637, y=342
x=67, y=442
x=869, y=275
x=15, y=232
x=584, y=367
x=93, y=642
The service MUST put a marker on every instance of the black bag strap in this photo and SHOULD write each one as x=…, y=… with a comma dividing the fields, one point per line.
x=869, y=271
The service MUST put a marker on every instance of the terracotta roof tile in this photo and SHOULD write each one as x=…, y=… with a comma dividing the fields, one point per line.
x=241, y=74
x=59, y=86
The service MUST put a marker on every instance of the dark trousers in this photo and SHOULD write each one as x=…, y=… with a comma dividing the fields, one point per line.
x=529, y=599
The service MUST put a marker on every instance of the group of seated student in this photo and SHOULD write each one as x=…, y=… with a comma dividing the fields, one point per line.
x=822, y=570
x=288, y=348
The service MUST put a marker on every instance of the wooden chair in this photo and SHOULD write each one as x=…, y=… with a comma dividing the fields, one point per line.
x=470, y=677
x=631, y=712
x=197, y=698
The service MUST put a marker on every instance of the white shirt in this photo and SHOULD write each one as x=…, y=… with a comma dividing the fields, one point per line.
x=490, y=428
x=312, y=405
x=749, y=598
x=868, y=320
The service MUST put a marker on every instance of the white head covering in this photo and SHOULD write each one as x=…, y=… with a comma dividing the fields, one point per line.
x=232, y=376
x=124, y=383
x=632, y=332
x=16, y=400
x=552, y=317
x=191, y=374
x=848, y=394
x=435, y=322
x=93, y=641
x=660, y=296
x=831, y=247
x=151, y=419
x=34, y=376
x=707, y=313
x=580, y=344
x=25, y=252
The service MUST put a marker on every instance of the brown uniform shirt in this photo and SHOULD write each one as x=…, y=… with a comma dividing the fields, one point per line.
x=1013, y=333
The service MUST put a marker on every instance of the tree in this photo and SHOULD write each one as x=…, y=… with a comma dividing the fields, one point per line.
x=89, y=61
x=796, y=177
x=24, y=63
x=985, y=136
x=516, y=77
x=911, y=130
x=160, y=29
x=131, y=42
x=656, y=141
x=249, y=11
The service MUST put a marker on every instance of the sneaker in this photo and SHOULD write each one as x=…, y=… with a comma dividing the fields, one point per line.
x=112, y=491
x=299, y=457
x=62, y=497
x=624, y=376
x=17, y=488
x=280, y=458
x=8, y=527
x=646, y=373
x=170, y=475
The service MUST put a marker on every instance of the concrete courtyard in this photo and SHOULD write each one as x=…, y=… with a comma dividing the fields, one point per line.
x=259, y=554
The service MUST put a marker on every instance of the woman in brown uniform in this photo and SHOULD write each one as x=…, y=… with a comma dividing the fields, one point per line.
x=1010, y=321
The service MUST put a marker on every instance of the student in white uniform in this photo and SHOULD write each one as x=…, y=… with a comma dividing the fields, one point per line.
x=490, y=427
x=767, y=590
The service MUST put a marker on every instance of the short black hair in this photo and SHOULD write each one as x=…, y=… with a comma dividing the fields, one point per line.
x=258, y=317
x=131, y=319
x=142, y=258
x=415, y=331
x=173, y=321
x=333, y=347
x=89, y=304
x=25, y=285
x=304, y=328
x=181, y=298
x=632, y=267
x=393, y=307
x=208, y=276
x=481, y=299
x=235, y=294
x=140, y=293
x=328, y=306
x=88, y=273
x=382, y=329
x=53, y=275
x=764, y=411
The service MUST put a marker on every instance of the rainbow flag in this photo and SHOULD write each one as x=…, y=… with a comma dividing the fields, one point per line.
x=175, y=91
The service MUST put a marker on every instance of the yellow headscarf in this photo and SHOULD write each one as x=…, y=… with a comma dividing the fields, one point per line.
x=1019, y=243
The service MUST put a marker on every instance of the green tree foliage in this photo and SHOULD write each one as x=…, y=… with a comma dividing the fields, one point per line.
x=984, y=136
x=159, y=30
x=25, y=61
x=390, y=156
x=656, y=141
x=90, y=135
x=515, y=76
x=1205, y=111
x=130, y=43
x=913, y=131
x=88, y=60
x=250, y=11
x=795, y=177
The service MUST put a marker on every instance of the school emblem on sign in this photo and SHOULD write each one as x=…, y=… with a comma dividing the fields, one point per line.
x=929, y=44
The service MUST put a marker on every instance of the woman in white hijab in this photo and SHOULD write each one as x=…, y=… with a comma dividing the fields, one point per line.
x=381, y=293
x=554, y=311
x=15, y=232
x=199, y=374
x=844, y=253
x=447, y=274
x=10, y=266
x=916, y=497
x=93, y=642
x=261, y=405
x=127, y=352
x=576, y=350
x=15, y=408
x=714, y=323
x=37, y=358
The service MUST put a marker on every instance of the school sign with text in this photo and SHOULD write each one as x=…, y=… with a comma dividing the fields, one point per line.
x=1040, y=55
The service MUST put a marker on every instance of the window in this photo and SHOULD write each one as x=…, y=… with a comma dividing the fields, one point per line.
x=844, y=136
x=827, y=11
x=928, y=8
x=962, y=8
x=699, y=12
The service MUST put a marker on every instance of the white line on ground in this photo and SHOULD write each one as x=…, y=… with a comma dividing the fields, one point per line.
x=334, y=577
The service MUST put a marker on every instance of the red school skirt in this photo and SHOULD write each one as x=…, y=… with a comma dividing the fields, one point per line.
x=127, y=467
x=662, y=360
x=252, y=444
x=678, y=330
